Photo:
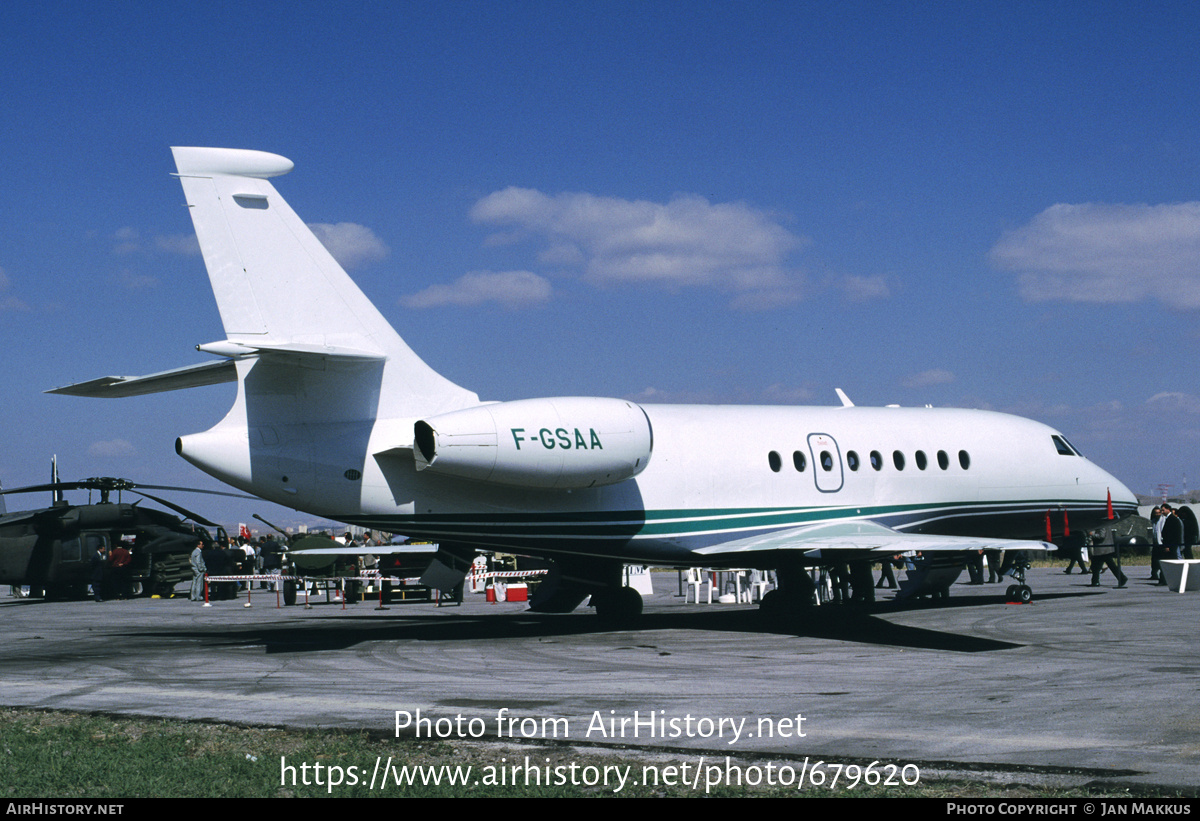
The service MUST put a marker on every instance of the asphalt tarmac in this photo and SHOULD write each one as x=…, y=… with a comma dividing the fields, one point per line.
x=1082, y=685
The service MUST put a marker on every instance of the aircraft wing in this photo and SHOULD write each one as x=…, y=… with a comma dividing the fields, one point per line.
x=861, y=537
x=117, y=387
x=370, y=550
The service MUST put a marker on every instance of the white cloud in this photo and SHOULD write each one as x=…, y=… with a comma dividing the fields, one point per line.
x=654, y=396
x=113, y=447
x=185, y=244
x=924, y=379
x=687, y=242
x=350, y=244
x=126, y=241
x=512, y=289
x=1104, y=253
x=778, y=394
x=131, y=281
x=1173, y=401
x=861, y=289
x=9, y=302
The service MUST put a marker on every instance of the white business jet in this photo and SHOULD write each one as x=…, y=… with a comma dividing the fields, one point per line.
x=335, y=415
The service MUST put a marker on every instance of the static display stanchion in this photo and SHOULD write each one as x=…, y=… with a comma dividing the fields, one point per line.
x=274, y=580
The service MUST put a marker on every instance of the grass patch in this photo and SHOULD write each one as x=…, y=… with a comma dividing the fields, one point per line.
x=66, y=755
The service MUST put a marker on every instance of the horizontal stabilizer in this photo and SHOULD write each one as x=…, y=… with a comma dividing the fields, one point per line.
x=118, y=387
x=236, y=349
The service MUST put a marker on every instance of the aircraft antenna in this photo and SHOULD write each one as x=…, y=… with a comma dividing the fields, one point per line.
x=56, y=495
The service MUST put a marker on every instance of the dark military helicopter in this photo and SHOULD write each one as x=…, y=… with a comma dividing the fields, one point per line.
x=50, y=550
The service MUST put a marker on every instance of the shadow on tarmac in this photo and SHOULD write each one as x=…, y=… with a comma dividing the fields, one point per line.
x=340, y=632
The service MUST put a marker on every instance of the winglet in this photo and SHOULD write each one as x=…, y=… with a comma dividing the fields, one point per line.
x=846, y=403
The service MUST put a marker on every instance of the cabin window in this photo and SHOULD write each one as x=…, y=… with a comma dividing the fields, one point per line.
x=876, y=460
x=852, y=460
x=72, y=550
x=774, y=460
x=799, y=460
x=922, y=462
x=898, y=459
x=943, y=460
x=964, y=459
x=826, y=461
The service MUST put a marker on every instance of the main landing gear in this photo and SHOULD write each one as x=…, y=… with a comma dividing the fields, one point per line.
x=572, y=580
x=617, y=606
x=795, y=594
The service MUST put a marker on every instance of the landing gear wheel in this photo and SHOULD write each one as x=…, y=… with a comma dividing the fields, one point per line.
x=1011, y=593
x=618, y=608
x=1024, y=594
x=771, y=606
x=778, y=607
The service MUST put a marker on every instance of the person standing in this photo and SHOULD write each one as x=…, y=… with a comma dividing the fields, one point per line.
x=1172, y=539
x=198, y=571
x=1156, y=526
x=99, y=563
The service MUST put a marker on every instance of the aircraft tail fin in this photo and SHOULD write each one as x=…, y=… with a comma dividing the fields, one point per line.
x=279, y=289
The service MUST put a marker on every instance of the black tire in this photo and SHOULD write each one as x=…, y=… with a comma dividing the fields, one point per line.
x=289, y=593
x=1025, y=594
x=619, y=608
x=771, y=606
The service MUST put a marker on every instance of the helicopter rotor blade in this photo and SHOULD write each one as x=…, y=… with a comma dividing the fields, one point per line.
x=199, y=490
x=183, y=511
x=108, y=483
x=50, y=486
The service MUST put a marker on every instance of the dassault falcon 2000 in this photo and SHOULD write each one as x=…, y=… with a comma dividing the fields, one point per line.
x=335, y=415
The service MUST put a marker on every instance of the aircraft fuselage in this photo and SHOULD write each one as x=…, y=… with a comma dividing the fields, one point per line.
x=714, y=473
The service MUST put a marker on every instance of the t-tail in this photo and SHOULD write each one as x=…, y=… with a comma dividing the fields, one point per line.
x=310, y=349
x=280, y=291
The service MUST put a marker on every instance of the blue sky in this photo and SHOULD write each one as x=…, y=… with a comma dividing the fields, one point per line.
x=960, y=204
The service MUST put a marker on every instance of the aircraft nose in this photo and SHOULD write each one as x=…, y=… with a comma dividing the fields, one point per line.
x=1117, y=491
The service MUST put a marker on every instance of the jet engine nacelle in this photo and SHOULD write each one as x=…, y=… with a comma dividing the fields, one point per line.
x=562, y=443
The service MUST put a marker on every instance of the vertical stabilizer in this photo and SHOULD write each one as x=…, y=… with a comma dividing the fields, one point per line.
x=278, y=288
